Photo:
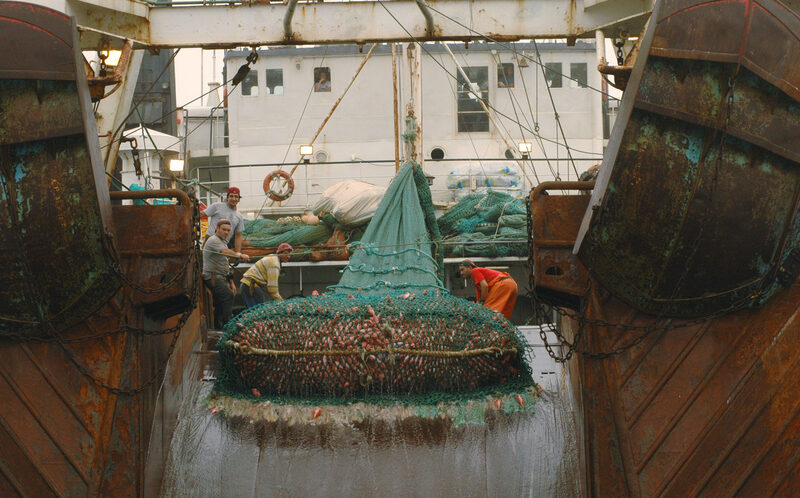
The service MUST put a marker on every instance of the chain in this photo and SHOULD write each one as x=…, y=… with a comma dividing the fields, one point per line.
x=102, y=56
x=175, y=331
x=620, y=54
x=541, y=314
x=108, y=242
x=102, y=384
x=137, y=162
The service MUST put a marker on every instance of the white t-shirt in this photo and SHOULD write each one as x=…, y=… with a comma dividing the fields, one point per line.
x=219, y=211
x=214, y=262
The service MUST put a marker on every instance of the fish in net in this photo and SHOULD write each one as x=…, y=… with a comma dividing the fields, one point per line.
x=388, y=330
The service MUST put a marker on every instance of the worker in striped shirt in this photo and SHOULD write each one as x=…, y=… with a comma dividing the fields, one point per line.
x=264, y=275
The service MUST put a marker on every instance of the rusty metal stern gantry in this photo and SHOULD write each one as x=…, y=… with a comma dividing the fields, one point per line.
x=696, y=209
x=54, y=205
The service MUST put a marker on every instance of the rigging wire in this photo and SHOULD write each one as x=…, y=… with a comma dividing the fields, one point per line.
x=555, y=111
x=454, y=88
x=146, y=93
x=536, y=115
x=302, y=113
x=509, y=46
x=500, y=113
x=516, y=115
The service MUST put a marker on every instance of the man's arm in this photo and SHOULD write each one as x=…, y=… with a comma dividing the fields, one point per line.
x=237, y=241
x=235, y=254
x=484, y=287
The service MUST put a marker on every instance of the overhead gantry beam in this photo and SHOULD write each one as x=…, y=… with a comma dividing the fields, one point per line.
x=255, y=23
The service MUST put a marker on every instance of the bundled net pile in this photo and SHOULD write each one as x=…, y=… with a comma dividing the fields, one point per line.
x=490, y=225
x=263, y=236
x=388, y=328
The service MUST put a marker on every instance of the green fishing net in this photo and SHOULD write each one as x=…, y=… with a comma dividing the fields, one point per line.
x=388, y=330
x=268, y=233
x=490, y=225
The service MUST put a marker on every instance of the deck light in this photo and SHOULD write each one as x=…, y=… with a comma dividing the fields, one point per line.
x=524, y=147
x=306, y=150
x=176, y=165
x=111, y=57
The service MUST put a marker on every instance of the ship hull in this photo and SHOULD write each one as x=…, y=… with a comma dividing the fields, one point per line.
x=706, y=409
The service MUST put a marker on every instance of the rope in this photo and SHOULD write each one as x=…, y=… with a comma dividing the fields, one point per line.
x=245, y=349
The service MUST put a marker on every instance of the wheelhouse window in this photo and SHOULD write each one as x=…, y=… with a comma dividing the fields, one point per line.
x=322, y=79
x=275, y=81
x=505, y=75
x=250, y=84
x=471, y=116
x=578, y=73
x=552, y=73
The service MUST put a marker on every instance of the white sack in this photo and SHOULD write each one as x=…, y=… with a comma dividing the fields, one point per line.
x=351, y=202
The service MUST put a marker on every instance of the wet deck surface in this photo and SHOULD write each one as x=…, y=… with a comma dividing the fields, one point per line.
x=520, y=455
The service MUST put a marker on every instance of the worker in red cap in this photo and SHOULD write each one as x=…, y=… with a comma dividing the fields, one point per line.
x=264, y=275
x=226, y=210
x=496, y=289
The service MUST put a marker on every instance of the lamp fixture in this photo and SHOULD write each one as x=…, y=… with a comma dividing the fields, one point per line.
x=525, y=149
x=111, y=57
x=306, y=150
x=176, y=165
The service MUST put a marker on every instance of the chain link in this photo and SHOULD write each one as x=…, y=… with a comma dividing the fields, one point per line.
x=543, y=319
x=620, y=54
x=193, y=258
x=175, y=331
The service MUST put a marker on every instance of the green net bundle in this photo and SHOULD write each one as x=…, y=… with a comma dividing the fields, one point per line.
x=491, y=225
x=388, y=328
x=268, y=233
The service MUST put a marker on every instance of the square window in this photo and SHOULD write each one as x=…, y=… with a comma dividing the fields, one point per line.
x=250, y=84
x=322, y=79
x=505, y=75
x=552, y=74
x=577, y=71
x=471, y=116
x=274, y=81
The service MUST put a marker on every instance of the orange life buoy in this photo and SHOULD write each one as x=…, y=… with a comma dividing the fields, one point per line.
x=280, y=194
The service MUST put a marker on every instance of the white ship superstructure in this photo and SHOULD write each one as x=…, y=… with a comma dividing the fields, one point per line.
x=543, y=94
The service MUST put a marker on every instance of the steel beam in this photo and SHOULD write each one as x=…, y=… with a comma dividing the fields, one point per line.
x=261, y=23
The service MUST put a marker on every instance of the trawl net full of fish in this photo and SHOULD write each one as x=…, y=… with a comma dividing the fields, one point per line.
x=335, y=345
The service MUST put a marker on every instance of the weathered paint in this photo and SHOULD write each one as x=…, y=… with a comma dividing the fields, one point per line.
x=559, y=277
x=62, y=433
x=48, y=179
x=696, y=209
x=710, y=409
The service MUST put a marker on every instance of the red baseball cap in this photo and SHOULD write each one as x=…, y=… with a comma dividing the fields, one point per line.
x=234, y=190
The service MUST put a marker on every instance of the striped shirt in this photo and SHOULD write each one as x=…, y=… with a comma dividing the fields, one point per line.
x=264, y=273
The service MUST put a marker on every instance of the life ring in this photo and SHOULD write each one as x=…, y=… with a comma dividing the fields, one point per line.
x=281, y=194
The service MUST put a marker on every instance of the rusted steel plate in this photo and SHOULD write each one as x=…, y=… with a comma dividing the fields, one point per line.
x=760, y=35
x=54, y=208
x=61, y=434
x=559, y=276
x=711, y=409
x=37, y=43
x=160, y=255
x=697, y=202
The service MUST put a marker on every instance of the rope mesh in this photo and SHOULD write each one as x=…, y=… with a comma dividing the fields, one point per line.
x=388, y=329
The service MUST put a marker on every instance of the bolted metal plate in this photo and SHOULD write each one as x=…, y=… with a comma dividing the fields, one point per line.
x=701, y=186
x=54, y=203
